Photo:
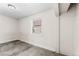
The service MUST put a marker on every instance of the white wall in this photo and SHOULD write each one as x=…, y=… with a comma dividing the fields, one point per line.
x=8, y=29
x=76, y=32
x=67, y=21
x=49, y=37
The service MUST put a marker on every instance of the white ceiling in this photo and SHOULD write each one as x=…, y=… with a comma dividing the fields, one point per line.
x=24, y=9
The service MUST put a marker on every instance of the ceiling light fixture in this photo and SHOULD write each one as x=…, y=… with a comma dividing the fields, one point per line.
x=11, y=6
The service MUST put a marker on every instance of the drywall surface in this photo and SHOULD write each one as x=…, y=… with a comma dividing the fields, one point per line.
x=8, y=29
x=48, y=38
x=76, y=33
x=67, y=21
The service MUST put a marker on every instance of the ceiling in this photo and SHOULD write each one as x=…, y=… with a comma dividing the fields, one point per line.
x=24, y=9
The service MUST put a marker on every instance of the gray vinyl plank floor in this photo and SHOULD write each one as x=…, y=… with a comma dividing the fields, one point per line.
x=19, y=48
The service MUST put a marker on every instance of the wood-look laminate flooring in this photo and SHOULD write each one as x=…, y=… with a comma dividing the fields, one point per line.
x=19, y=48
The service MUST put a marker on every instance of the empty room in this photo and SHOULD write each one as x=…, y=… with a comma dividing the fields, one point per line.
x=39, y=29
